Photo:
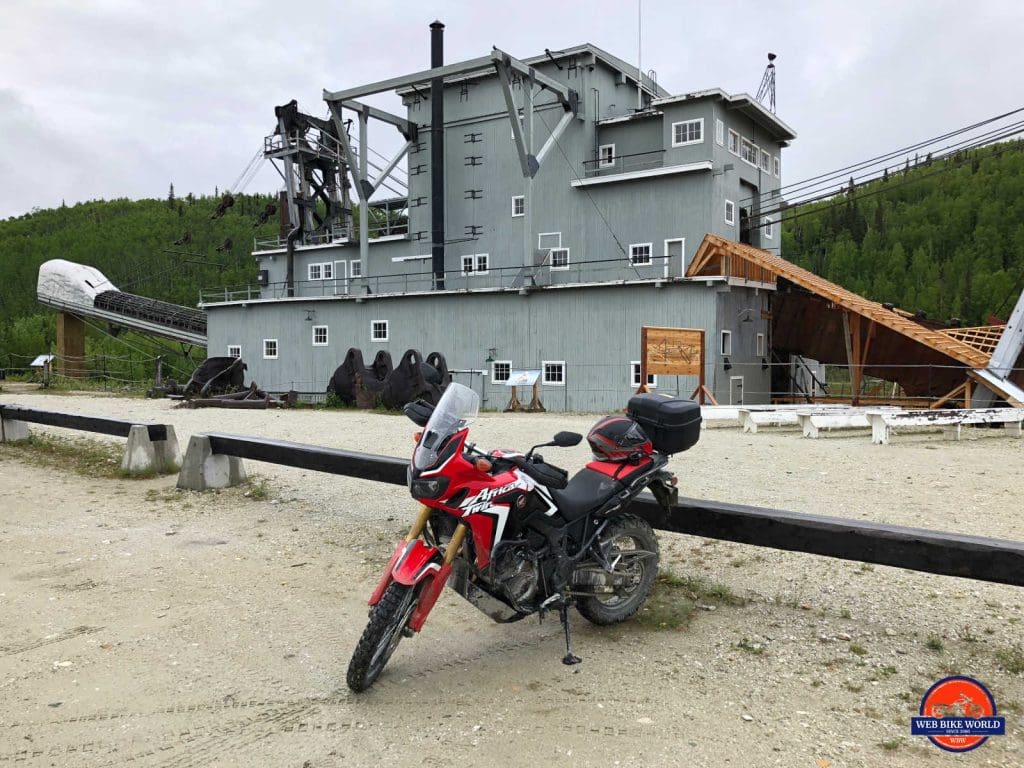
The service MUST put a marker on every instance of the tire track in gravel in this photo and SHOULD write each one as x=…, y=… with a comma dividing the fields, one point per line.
x=60, y=637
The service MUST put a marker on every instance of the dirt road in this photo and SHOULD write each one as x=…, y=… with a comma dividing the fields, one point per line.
x=146, y=626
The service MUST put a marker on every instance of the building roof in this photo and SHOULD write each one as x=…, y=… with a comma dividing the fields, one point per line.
x=824, y=322
x=715, y=251
x=741, y=102
x=610, y=61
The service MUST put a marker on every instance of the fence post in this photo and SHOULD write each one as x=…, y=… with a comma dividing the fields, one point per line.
x=159, y=371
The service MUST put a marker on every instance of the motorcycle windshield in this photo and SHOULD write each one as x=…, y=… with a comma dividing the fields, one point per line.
x=458, y=406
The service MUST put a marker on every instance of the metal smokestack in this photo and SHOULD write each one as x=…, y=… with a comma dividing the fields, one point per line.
x=437, y=156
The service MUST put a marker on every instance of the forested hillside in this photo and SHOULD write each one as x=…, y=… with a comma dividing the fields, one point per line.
x=133, y=244
x=946, y=237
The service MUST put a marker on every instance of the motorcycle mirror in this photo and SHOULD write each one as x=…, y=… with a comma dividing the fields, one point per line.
x=566, y=439
x=419, y=411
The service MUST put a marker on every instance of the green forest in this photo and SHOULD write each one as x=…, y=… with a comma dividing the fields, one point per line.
x=166, y=249
x=945, y=237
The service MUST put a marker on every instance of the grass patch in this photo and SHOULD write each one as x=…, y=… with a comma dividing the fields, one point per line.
x=892, y=744
x=91, y=458
x=934, y=643
x=673, y=600
x=698, y=588
x=81, y=455
x=1011, y=658
x=845, y=613
x=259, y=488
x=858, y=649
x=853, y=687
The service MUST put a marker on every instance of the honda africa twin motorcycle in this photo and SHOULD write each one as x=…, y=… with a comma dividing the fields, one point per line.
x=514, y=535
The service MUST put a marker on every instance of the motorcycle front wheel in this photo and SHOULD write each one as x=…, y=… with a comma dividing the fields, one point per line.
x=388, y=620
x=631, y=547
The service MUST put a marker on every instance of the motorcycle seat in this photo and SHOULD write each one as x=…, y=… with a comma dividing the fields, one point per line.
x=586, y=490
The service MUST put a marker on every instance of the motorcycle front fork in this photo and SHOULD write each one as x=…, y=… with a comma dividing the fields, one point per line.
x=420, y=523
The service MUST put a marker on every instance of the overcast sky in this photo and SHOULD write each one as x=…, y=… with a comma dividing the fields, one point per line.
x=118, y=98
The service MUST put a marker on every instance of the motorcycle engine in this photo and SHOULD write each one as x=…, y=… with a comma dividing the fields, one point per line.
x=517, y=573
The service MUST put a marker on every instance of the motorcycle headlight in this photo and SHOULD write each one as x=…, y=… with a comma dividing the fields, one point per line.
x=428, y=488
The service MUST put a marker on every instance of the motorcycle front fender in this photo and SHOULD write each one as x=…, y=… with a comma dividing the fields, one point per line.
x=410, y=563
x=417, y=562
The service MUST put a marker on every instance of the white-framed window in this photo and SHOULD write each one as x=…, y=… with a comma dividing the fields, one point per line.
x=518, y=205
x=776, y=166
x=634, y=373
x=501, y=370
x=355, y=268
x=379, y=330
x=749, y=152
x=726, y=348
x=270, y=349
x=688, y=132
x=759, y=345
x=559, y=258
x=319, y=335
x=719, y=132
x=234, y=350
x=734, y=142
x=553, y=372
x=321, y=271
x=606, y=156
x=640, y=254
x=475, y=264
x=766, y=162
x=730, y=212
x=768, y=226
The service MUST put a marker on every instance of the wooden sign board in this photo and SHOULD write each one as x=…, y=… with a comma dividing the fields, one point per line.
x=678, y=351
x=673, y=351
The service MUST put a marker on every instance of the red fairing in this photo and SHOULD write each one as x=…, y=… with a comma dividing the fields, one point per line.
x=418, y=561
x=480, y=506
x=619, y=470
x=428, y=597
x=385, y=580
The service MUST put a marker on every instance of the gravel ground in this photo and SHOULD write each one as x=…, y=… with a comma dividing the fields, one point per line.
x=176, y=628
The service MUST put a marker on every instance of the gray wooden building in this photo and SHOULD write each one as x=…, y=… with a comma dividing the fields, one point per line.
x=569, y=201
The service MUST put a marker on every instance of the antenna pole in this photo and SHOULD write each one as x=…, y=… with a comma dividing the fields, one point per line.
x=639, y=57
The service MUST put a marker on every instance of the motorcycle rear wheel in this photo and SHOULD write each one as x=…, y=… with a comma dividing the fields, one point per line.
x=632, y=541
x=388, y=619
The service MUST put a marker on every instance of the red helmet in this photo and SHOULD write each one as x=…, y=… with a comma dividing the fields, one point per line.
x=617, y=438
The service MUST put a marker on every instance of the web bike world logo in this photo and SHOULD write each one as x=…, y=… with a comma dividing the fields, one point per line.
x=958, y=714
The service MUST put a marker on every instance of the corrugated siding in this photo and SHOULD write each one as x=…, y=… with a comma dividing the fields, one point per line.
x=595, y=331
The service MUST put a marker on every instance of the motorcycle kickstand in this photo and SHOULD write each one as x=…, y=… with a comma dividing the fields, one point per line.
x=570, y=658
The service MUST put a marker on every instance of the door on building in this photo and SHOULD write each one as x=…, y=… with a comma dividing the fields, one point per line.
x=675, y=263
x=735, y=390
x=745, y=226
x=340, y=278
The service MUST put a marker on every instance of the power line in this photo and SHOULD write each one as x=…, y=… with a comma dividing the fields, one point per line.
x=886, y=188
x=841, y=172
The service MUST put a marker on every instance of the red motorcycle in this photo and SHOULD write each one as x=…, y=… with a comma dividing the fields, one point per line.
x=514, y=535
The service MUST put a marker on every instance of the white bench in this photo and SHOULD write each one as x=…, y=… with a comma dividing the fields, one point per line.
x=850, y=418
x=731, y=413
x=883, y=423
x=750, y=419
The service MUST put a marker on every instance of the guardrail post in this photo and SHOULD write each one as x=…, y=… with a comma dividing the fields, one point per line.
x=144, y=455
x=11, y=430
x=202, y=469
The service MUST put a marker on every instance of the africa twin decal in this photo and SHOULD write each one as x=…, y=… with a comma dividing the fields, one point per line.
x=482, y=503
